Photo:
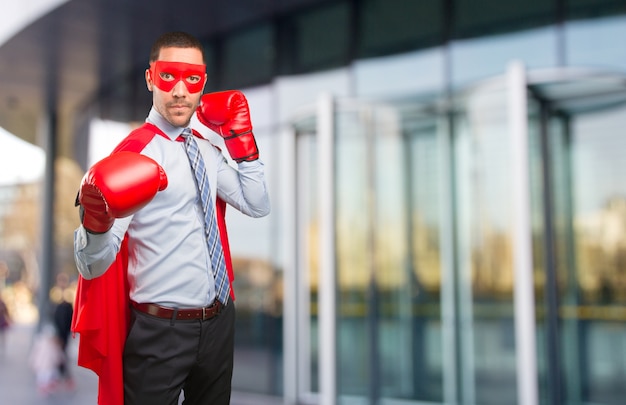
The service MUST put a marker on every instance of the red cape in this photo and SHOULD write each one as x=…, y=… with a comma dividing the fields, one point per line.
x=102, y=307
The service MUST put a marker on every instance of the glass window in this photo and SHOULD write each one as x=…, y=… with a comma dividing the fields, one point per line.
x=355, y=305
x=317, y=39
x=248, y=57
x=389, y=328
x=391, y=26
x=418, y=72
x=590, y=207
x=258, y=287
x=487, y=17
x=413, y=318
x=485, y=250
x=593, y=8
x=480, y=58
x=211, y=67
x=308, y=261
x=592, y=43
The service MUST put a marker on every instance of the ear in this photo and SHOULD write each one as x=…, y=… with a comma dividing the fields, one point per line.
x=149, y=82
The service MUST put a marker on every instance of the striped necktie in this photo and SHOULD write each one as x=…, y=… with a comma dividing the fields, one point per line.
x=216, y=253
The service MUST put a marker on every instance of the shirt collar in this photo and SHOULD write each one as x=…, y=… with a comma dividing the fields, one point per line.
x=155, y=118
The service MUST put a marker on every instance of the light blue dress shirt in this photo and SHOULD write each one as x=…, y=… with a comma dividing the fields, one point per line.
x=169, y=261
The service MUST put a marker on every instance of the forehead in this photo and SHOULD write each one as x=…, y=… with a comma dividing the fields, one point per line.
x=185, y=55
x=177, y=68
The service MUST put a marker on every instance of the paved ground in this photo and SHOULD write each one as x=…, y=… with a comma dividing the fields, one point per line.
x=17, y=380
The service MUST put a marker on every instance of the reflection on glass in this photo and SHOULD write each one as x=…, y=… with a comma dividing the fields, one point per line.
x=591, y=42
x=388, y=259
x=480, y=58
x=588, y=217
x=259, y=300
x=599, y=227
x=422, y=287
x=354, y=255
x=488, y=360
x=309, y=267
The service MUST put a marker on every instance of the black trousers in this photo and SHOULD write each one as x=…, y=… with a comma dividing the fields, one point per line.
x=163, y=357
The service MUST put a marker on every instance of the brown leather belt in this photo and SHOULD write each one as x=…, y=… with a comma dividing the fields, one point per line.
x=179, y=314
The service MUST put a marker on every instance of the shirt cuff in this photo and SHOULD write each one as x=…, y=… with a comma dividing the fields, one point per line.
x=90, y=242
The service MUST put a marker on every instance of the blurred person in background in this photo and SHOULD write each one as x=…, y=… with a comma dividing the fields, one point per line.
x=5, y=322
x=152, y=248
x=45, y=357
x=62, y=319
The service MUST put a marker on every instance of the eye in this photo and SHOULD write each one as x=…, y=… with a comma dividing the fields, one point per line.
x=193, y=79
x=168, y=77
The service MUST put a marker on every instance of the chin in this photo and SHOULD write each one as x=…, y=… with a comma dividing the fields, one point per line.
x=180, y=121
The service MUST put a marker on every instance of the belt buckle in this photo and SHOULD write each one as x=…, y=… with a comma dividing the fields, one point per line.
x=204, y=313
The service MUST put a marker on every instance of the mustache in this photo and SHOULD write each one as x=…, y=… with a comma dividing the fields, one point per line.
x=178, y=104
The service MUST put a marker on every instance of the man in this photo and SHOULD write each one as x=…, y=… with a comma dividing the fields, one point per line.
x=5, y=323
x=148, y=216
x=62, y=319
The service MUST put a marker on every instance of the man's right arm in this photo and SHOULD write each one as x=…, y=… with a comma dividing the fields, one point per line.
x=115, y=187
x=94, y=253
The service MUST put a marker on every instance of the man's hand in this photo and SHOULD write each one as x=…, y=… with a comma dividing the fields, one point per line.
x=116, y=187
x=227, y=114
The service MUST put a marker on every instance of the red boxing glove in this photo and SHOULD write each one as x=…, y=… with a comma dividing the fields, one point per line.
x=227, y=113
x=118, y=186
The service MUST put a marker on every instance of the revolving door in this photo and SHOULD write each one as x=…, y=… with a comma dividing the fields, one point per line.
x=462, y=250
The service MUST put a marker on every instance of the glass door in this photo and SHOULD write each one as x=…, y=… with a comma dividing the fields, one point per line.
x=388, y=252
x=492, y=244
x=579, y=143
x=576, y=229
x=389, y=334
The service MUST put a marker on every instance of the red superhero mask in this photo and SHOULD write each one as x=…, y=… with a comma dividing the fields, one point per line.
x=166, y=75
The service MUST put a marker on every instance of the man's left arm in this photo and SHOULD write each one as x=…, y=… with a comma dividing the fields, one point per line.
x=244, y=188
x=227, y=114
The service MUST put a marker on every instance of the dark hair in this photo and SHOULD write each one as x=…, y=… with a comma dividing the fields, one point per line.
x=176, y=39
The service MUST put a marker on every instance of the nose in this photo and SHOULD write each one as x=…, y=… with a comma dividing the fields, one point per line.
x=179, y=90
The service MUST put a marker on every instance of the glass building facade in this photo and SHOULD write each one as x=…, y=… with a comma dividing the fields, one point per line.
x=415, y=254
x=448, y=217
